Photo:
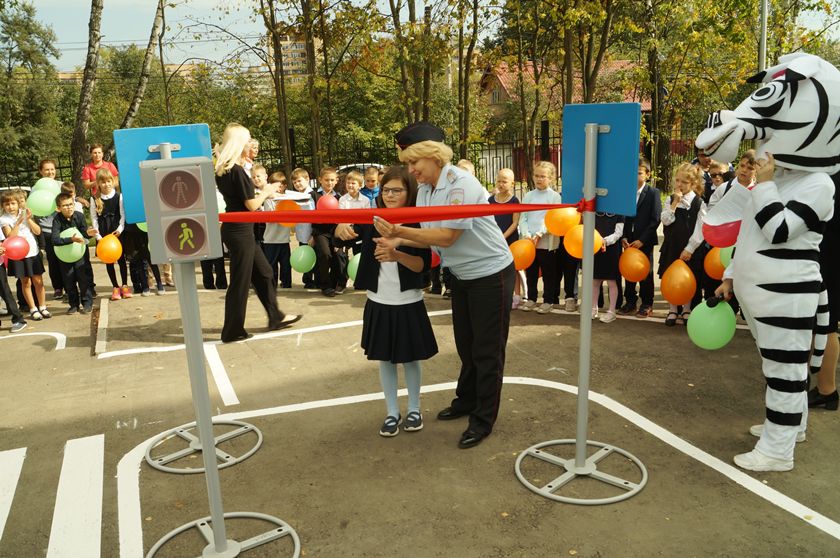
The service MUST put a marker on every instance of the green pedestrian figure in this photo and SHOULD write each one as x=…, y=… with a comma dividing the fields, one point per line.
x=186, y=237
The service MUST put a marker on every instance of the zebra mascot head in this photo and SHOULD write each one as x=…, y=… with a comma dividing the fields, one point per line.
x=796, y=113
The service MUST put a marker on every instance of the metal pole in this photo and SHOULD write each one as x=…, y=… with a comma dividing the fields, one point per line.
x=590, y=167
x=762, y=41
x=194, y=343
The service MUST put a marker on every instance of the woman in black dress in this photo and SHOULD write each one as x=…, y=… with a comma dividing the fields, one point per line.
x=247, y=264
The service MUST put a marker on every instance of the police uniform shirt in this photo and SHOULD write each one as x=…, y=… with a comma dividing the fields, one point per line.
x=481, y=249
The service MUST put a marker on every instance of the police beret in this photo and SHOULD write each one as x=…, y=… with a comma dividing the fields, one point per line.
x=417, y=132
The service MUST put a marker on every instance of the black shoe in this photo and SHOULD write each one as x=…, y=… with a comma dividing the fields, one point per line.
x=209, y=287
x=328, y=292
x=817, y=399
x=285, y=322
x=435, y=290
x=447, y=293
x=450, y=414
x=72, y=310
x=627, y=309
x=238, y=338
x=471, y=438
x=86, y=310
x=221, y=286
x=339, y=290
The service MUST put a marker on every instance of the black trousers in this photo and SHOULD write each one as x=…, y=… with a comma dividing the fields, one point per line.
x=8, y=298
x=480, y=320
x=247, y=266
x=547, y=262
x=331, y=272
x=208, y=268
x=77, y=283
x=278, y=257
x=645, y=285
x=53, y=263
x=567, y=268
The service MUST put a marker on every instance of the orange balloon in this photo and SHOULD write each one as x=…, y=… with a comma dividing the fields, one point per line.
x=634, y=265
x=109, y=249
x=286, y=205
x=524, y=252
x=573, y=241
x=678, y=283
x=559, y=221
x=712, y=264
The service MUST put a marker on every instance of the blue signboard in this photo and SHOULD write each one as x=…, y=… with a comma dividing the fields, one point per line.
x=618, y=154
x=132, y=147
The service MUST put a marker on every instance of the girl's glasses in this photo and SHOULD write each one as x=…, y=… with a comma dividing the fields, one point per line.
x=392, y=191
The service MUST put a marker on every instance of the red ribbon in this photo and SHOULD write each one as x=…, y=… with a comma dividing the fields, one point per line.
x=398, y=215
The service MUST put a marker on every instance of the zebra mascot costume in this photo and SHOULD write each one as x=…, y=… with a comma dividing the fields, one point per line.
x=775, y=269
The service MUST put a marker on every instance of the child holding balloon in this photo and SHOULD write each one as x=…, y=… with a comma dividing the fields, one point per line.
x=17, y=220
x=683, y=208
x=77, y=280
x=107, y=215
x=532, y=227
x=396, y=327
x=18, y=323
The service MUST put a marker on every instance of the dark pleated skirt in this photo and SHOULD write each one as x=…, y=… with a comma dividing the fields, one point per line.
x=606, y=263
x=397, y=333
x=27, y=267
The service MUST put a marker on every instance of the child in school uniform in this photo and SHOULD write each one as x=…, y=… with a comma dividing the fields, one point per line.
x=276, y=239
x=532, y=227
x=508, y=223
x=17, y=220
x=610, y=226
x=76, y=276
x=682, y=240
x=303, y=231
x=107, y=216
x=396, y=327
x=329, y=263
x=18, y=322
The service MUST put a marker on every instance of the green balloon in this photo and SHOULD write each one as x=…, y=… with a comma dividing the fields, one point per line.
x=353, y=266
x=70, y=253
x=303, y=259
x=726, y=255
x=143, y=226
x=711, y=328
x=49, y=185
x=41, y=203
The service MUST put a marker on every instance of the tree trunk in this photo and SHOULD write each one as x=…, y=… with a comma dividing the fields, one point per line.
x=165, y=80
x=465, y=130
x=462, y=146
x=659, y=138
x=416, y=65
x=140, y=91
x=314, y=89
x=278, y=79
x=78, y=145
x=402, y=59
x=327, y=80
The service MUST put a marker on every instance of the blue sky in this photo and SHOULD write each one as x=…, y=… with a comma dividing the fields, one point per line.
x=125, y=21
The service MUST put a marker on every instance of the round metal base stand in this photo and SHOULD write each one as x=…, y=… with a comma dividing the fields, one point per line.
x=589, y=470
x=234, y=548
x=194, y=446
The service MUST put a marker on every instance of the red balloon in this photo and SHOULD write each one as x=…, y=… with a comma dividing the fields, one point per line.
x=327, y=201
x=435, y=259
x=722, y=236
x=678, y=283
x=16, y=247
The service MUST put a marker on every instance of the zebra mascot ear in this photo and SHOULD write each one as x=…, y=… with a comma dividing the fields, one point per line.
x=796, y=113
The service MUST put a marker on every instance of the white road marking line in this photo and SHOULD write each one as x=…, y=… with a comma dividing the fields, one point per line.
x=77, y=519
x=220, y=376
x=102, y=327
x=128, y=470
x=60, y=338
x=257, y=337
x=11, y=462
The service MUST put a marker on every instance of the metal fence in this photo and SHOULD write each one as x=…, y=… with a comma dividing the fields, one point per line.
x=13, y=176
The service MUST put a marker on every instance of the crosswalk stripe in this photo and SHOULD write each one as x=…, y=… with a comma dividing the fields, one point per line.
x=77, y=519
x=11, y=462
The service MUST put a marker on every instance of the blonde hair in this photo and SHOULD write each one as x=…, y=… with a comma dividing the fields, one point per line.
x=694, y=175
x=102, y=175
x=235, y=139
x=547, y=165
x=355, y=175
x=300, y=172
x=466, y=165
x=427, y=149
